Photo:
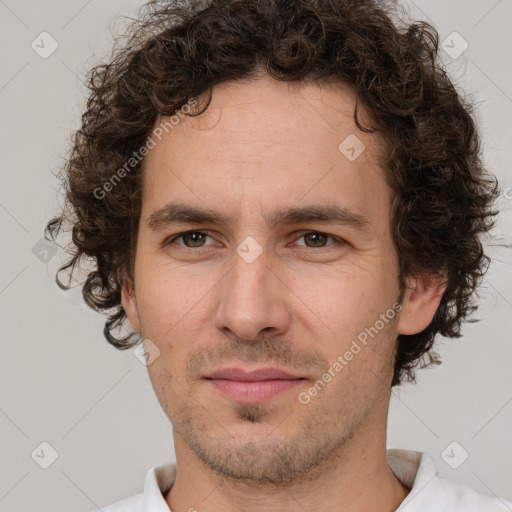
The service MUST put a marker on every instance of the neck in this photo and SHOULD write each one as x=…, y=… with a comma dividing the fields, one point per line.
x=355, y=478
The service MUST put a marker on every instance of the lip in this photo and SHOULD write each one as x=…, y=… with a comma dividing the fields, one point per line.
x=255, y=386
x=253, y=375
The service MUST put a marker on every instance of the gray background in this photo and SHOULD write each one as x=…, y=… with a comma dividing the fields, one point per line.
x=61, y=383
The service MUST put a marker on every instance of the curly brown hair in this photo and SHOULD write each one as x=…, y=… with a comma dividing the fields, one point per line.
x=176, y=51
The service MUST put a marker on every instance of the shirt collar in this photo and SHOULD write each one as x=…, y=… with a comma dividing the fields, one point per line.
x=159, y=480
x=415, y=470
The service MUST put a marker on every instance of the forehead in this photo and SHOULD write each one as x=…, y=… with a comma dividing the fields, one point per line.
x=267, y=141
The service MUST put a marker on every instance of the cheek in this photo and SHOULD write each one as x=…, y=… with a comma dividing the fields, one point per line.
x=167, y=296
x=343, y=303
x=174, y=307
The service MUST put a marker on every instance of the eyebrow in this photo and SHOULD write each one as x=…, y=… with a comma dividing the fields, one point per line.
x=177, y=213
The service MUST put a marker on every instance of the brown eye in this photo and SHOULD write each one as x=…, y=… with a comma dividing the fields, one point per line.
x=315, y=239
x=192, y=239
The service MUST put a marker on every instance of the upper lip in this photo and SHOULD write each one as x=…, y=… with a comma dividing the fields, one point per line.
x=253, y=375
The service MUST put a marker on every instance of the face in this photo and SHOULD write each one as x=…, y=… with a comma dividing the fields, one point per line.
x=286, y=264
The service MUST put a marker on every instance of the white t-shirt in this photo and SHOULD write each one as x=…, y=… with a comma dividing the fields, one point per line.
x=415, y=470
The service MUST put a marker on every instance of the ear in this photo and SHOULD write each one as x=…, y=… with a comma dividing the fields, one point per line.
x=129, y=302
x=419, y=305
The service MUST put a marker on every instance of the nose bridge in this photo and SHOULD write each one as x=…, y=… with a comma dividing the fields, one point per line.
x=251, y=298
x=251, y=270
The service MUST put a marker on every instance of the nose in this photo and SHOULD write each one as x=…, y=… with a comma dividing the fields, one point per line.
x=252, y=298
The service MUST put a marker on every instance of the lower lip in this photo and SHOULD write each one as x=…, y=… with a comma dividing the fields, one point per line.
x=254, y=391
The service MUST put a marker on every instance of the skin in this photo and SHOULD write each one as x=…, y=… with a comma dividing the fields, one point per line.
x=300, y=304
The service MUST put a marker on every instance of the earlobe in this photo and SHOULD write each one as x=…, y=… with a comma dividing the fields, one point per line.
x=129, y=303
x=419, y=305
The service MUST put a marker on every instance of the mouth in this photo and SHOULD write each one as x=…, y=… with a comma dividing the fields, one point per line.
x=256, y=386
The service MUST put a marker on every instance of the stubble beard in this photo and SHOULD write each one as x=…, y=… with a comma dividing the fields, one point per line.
x=268, y=456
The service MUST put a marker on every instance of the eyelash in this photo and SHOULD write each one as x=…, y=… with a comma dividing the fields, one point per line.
x=181, y=235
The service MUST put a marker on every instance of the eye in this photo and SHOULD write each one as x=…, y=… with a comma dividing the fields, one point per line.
x=197, y=239
x=315, y=239
x=191, y=239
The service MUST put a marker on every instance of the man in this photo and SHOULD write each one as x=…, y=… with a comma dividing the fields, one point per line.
x=285, y=200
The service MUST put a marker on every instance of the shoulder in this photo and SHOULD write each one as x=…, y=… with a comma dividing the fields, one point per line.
x=431, y=493
x=457, y=497
x=159, y=480
x=131, y=504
